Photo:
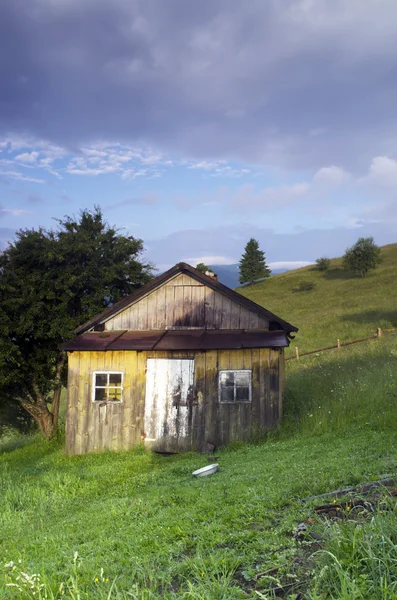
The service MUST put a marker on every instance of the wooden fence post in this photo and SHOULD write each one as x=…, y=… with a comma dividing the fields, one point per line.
x=379, y=332
x=338, y=342
x=297, y=351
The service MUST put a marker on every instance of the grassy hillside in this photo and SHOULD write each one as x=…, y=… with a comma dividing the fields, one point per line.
x=138, y=525
x=339, y=306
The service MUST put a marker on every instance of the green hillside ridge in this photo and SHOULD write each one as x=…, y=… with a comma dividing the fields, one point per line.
x=138, y=525
x=340, y=305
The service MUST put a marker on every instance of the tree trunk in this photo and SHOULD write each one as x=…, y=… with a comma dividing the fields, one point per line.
x=43, y=417
x=46, y=424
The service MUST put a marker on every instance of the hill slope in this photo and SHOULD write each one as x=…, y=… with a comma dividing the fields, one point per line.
x=229, y=274
x=339, y=306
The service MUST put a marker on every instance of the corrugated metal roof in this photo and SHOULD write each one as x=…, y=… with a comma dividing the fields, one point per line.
x=198, y=276
x=177, y=340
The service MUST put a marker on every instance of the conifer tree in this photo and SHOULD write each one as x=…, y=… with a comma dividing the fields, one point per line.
x=253, y=263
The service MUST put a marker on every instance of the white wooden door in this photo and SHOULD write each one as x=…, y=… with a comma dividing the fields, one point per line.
x=169, y=385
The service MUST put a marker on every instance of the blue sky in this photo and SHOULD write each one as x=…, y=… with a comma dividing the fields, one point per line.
x=196, y=126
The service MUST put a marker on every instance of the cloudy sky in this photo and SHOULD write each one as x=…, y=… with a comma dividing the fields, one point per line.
x=196, y=124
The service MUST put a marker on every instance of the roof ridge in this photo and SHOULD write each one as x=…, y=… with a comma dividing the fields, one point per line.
x=196, y=274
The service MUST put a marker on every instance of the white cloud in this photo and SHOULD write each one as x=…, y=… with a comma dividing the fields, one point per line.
x=269, y=198
x=382, y=172
x=19, y=176
x=289, y=264
x=331, y=176
x=28, y=157
x=15, y=212
x=210, y=260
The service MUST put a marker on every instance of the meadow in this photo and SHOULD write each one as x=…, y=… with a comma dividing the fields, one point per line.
x=339, y=305
x=138, y=525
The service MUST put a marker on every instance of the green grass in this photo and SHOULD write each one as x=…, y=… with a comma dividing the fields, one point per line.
x=339, y=306
x=138, y=525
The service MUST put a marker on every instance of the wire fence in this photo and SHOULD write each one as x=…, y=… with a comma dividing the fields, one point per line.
x=379, y=333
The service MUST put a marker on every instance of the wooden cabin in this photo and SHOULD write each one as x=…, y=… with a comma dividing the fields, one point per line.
x=182, y=363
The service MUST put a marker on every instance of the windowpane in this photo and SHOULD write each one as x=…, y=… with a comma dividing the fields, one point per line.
x=108, y=387
x=227, y=394
x=227, y=378
x=100, y=394
x=115, y=394
x=242, y=394
x=115, y=379
x=235, y=386
x=101, y=379
x=242, y=378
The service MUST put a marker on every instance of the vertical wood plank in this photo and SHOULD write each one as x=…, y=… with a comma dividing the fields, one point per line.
x=281, y=384
x=178, y=306
x=196, y=418
x=247, y=409
x=83, y=402
x=244, y=318
x=211, y=403
x=265, y=415
x=143, y=314
x=72, y=402
x=258, y=392
x=198, y=300
x=130, y=400
x=274, y=385
x=218, y=311
x=161, y=322
x=140, y=390
x=224, y=424
x=253, y=321
x=263, y=323
x=235, y=316
x=152, y=312
x=169, y=306
x=226, y=312
x=188, y=315
x=209, y=314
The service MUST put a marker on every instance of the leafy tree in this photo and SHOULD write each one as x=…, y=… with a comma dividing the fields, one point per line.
x=253, y=264
x=50, y=282
x=323, y=263
x=203, y=268
x=362, y=256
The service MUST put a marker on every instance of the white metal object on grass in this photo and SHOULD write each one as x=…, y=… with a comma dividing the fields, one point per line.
x=208, y=470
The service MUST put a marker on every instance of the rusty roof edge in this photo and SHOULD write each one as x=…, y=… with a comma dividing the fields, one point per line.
x=167, y=275
x=159, y=340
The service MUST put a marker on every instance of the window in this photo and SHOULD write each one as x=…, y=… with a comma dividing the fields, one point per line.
x=107, y=386
x=235, y=386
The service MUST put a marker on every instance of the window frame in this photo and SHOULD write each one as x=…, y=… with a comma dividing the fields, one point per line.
x=101, y=387
x=249, y=401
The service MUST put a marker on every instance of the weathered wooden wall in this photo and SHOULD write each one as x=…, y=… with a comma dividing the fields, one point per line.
x=94, y=426
x=185, y=303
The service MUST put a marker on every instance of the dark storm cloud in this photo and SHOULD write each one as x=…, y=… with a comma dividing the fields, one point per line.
x=298, y=82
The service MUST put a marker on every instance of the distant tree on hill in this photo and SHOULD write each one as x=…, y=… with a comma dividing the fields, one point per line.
x=323, y=263
x=203, y=268
x=50, y=282
x=253, y=265
x=362, y=256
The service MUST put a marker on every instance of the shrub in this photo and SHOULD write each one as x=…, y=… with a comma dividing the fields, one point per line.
x=362, y=256
x=323, y=263
x=304, y=286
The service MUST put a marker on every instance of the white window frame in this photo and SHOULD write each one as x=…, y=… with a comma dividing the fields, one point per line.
x=249, y=371
x=94, y=386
